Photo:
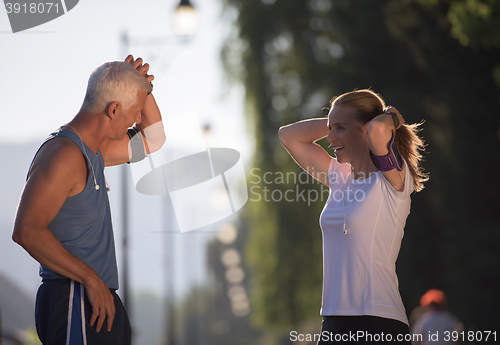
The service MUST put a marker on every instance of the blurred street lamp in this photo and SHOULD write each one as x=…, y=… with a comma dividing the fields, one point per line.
x=186, y=19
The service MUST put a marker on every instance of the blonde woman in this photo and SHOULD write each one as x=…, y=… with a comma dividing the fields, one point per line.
x=375, y=169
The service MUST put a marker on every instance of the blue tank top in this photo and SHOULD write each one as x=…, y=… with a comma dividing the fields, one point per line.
x=83, y=224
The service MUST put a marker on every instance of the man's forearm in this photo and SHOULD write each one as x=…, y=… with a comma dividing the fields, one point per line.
x=151, y=126
x=45, y=248
x=150, y=114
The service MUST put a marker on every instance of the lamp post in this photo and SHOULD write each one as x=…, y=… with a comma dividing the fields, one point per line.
x=185, y=24
x=124, y=213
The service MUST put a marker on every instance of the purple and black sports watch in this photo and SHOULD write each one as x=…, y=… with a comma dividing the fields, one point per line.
x=391, y=160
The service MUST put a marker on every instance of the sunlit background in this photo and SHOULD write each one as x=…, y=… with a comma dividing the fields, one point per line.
x=43, y=87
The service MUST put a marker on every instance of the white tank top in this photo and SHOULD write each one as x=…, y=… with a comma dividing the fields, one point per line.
x=359, y=268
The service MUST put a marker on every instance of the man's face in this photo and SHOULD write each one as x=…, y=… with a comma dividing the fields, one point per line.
x=131, y=115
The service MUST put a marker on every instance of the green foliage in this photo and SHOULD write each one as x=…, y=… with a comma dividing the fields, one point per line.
x=293, y=57
x=205, y=315
x=31, y=337
x=283, y=241
x=473, y=22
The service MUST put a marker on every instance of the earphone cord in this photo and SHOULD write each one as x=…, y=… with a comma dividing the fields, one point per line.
x=96, y=186
x=402, y=179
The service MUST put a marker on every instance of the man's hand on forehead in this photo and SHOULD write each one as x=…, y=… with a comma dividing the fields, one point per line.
x=140, y=67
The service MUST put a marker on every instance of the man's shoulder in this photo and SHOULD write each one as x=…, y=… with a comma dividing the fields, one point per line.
x=59, y=153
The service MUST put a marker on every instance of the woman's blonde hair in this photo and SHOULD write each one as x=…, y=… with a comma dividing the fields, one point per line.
x=368, y=105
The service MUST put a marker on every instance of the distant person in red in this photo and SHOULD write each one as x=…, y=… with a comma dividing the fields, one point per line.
x=435, y=324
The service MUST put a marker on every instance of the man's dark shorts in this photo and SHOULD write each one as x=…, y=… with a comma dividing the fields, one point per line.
x=58, y=316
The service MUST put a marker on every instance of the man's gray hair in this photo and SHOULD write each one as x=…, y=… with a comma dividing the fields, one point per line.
x=116, y=81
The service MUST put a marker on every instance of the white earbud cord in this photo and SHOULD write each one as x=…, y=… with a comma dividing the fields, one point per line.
x=96, y=186
x=344, y=192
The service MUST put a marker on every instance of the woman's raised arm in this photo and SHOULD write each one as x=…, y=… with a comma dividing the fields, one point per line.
x=299, y=140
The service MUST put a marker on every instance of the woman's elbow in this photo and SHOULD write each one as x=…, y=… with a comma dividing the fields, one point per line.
x=283, y=134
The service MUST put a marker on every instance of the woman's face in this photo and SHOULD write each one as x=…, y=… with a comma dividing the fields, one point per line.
x=347, y=136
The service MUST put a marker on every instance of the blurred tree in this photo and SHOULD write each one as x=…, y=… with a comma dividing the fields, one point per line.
x=205, y=316
x=474, y=23
x=292, y=57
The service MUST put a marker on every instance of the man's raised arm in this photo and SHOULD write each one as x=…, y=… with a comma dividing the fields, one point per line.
x=150, y=127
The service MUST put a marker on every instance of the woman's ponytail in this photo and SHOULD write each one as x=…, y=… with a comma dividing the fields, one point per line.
x=410, y=146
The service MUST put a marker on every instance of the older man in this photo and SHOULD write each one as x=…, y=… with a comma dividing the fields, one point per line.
x=64, y=220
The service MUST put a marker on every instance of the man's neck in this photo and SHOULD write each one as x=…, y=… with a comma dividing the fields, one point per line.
x=90, y=128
